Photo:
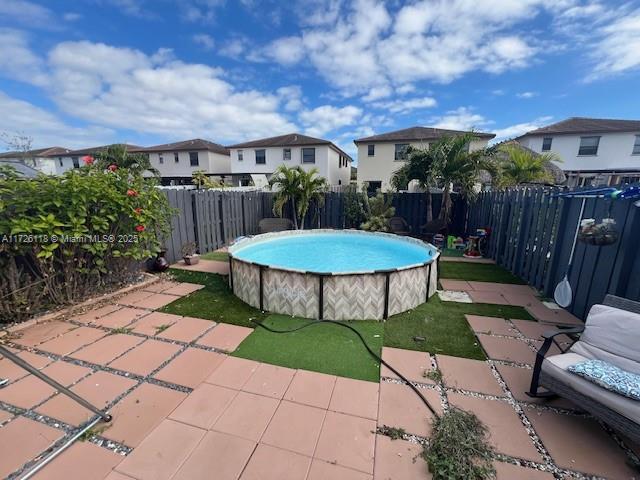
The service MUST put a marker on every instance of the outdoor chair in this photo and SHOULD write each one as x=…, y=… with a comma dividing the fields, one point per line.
x=433, y=227
x=611, y=334
x=399, y=226
x=269, y=225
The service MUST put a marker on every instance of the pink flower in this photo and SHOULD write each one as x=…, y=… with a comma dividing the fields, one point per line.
x=140, y=228
x=88, y=160
x=132, y=193
x=113, y=168
x=138, y=210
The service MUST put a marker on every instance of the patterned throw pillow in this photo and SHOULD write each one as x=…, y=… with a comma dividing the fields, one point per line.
x=609, y=376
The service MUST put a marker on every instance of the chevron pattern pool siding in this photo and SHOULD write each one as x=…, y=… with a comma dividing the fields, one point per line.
x=345, y=297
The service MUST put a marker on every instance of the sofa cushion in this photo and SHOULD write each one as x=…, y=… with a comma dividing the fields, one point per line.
x=609, y=376
x=557, y=367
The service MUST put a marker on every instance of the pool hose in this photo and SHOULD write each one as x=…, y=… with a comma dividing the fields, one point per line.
x=371, y=352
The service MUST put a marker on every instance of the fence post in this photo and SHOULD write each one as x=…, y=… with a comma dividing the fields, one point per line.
x=557, y=246
x=221, y=213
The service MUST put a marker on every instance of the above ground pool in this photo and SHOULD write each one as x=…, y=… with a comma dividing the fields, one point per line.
x=333, y=274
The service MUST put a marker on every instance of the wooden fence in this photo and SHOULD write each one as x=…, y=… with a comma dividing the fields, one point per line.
x=213, y=218
x=532, y=231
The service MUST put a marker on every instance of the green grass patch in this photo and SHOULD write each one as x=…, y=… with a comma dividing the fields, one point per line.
x=478, y=272
x=451, y=252
x=323, y=347
x=443, y=326
x=214, y=302
x=218, y=256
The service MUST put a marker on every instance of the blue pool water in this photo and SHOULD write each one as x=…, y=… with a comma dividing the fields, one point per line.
x=334, y=252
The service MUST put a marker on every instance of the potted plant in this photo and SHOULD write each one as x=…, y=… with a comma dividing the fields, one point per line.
x=189, y=254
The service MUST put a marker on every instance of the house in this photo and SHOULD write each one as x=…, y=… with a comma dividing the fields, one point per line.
x=18, y=167
x=594, y=151
x=177, y=161
x=50, y=160
x=255, y=161
x=380, y=156
x=73, y=158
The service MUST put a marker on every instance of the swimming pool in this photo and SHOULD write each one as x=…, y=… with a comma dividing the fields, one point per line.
x=333, y=274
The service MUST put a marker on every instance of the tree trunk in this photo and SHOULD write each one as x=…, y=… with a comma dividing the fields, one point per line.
x=429, y=206
x=294, y=213
x=446, y=204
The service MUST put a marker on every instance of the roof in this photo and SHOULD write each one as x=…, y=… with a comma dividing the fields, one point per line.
x=587, y=125
x=290, y=140
x=40, y=152
x=413, y=134
x=21, y=168
x=93, y=150
x=195, y=144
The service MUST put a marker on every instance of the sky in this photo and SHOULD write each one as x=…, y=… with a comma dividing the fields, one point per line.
x=91, y=72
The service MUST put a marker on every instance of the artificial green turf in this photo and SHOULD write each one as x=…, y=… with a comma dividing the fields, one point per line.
x=219, y=256
x=478, y=272
x=451, y=252
x=322, y=347
x=443, y=326
x=214, y=302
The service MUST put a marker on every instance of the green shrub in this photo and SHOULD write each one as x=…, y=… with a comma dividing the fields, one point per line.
x=378, y=212
x=70, y=236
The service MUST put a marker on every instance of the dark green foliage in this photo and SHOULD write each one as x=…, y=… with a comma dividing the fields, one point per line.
x=378, y=211
x=354, y=207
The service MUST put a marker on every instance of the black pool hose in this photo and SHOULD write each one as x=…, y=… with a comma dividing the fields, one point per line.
x=371, y=352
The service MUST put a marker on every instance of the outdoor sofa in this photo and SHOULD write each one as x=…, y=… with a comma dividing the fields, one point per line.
x=269, y=225
x=611, y=334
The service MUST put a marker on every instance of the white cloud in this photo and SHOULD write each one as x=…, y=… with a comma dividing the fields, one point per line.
x=376, y=93
x=205, y=41
x=526, y=94
x=25, y=12
x=462, y=118
x=519, y=129
x=291, y=97
x=17, y=61
x=326, y=118
x=407, y=105
x=46, y=129
x=71, y=16
x=234, y=48
x=286, y=50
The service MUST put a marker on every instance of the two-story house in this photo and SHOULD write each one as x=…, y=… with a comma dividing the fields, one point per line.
x=73, y=158
x=255, y=161
x=50, y=160
x=177, y=161
x=594, y=151
x=380, y=156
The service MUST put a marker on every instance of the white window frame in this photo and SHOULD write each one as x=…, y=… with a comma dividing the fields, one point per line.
x=302, y=155
x=240, y=155
x=284, y=154
x=264, y=156
x=597, y=146
x=636, y=146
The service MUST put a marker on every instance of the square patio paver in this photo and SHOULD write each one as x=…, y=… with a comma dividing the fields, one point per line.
x=321, y=470
x=247, y=416
x=412, y=364
x=134, y=297
x=494, y=298
x=348, y=441
x=21, y=440
x=269, y=380
x=534, y=330
x=13, y=372
x=99, y=388
x=233, y=372
x=161, y=286
x=467, y=374
x=40, y=333
x=155, y=301
x=183, y=289
x=311, y=388
x=507, y=433
x=191, y=367
x=355, y=397
x=120, y=318
x=491, y=325
x=186, y=329
x=83, y=460
x=508, y=471
x=295, y=427
x=579, y=443
x=271, y=463
x=218, y=456
x=151, y=324
x=72, y=340
x=107, y=349
x=160, y=454
x=137, y=414
x=456, y=285
x=146, y=357
x=92, y=315
x=225, y=337
x=555, y=317
x=400, y=407
x=207, y=266
x=204, y=405
x=520, y=299
x=399, y=460
x=508, y=349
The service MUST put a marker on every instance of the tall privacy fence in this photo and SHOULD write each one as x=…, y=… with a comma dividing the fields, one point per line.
x=532, y=231
x=214, y=218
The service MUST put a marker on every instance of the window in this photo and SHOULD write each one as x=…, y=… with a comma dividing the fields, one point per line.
x=193, y=159
x=286, y=154
x=60, y=161
x=240, y=155
x=308, y=155
x=261, y=157
x=161, y=159
x=371, y=150
x=176, y=157
x=588, y=145
x=401, y=151
x=546, y=144
x=76, y=162
x=374, y=186
x=636, y=146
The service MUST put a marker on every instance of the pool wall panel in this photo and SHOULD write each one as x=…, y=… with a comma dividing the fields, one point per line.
x=291, y=293
x=348, y=297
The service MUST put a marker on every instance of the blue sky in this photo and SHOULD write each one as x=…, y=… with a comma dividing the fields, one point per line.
x=86, y=72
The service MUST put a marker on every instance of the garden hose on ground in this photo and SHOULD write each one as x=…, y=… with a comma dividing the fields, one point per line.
x=371, y=352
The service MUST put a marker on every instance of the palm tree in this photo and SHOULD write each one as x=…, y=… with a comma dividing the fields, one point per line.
x=419, y=167
x=522, y=165
x=287, y=182
x=312, y=188
x=119, y=156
